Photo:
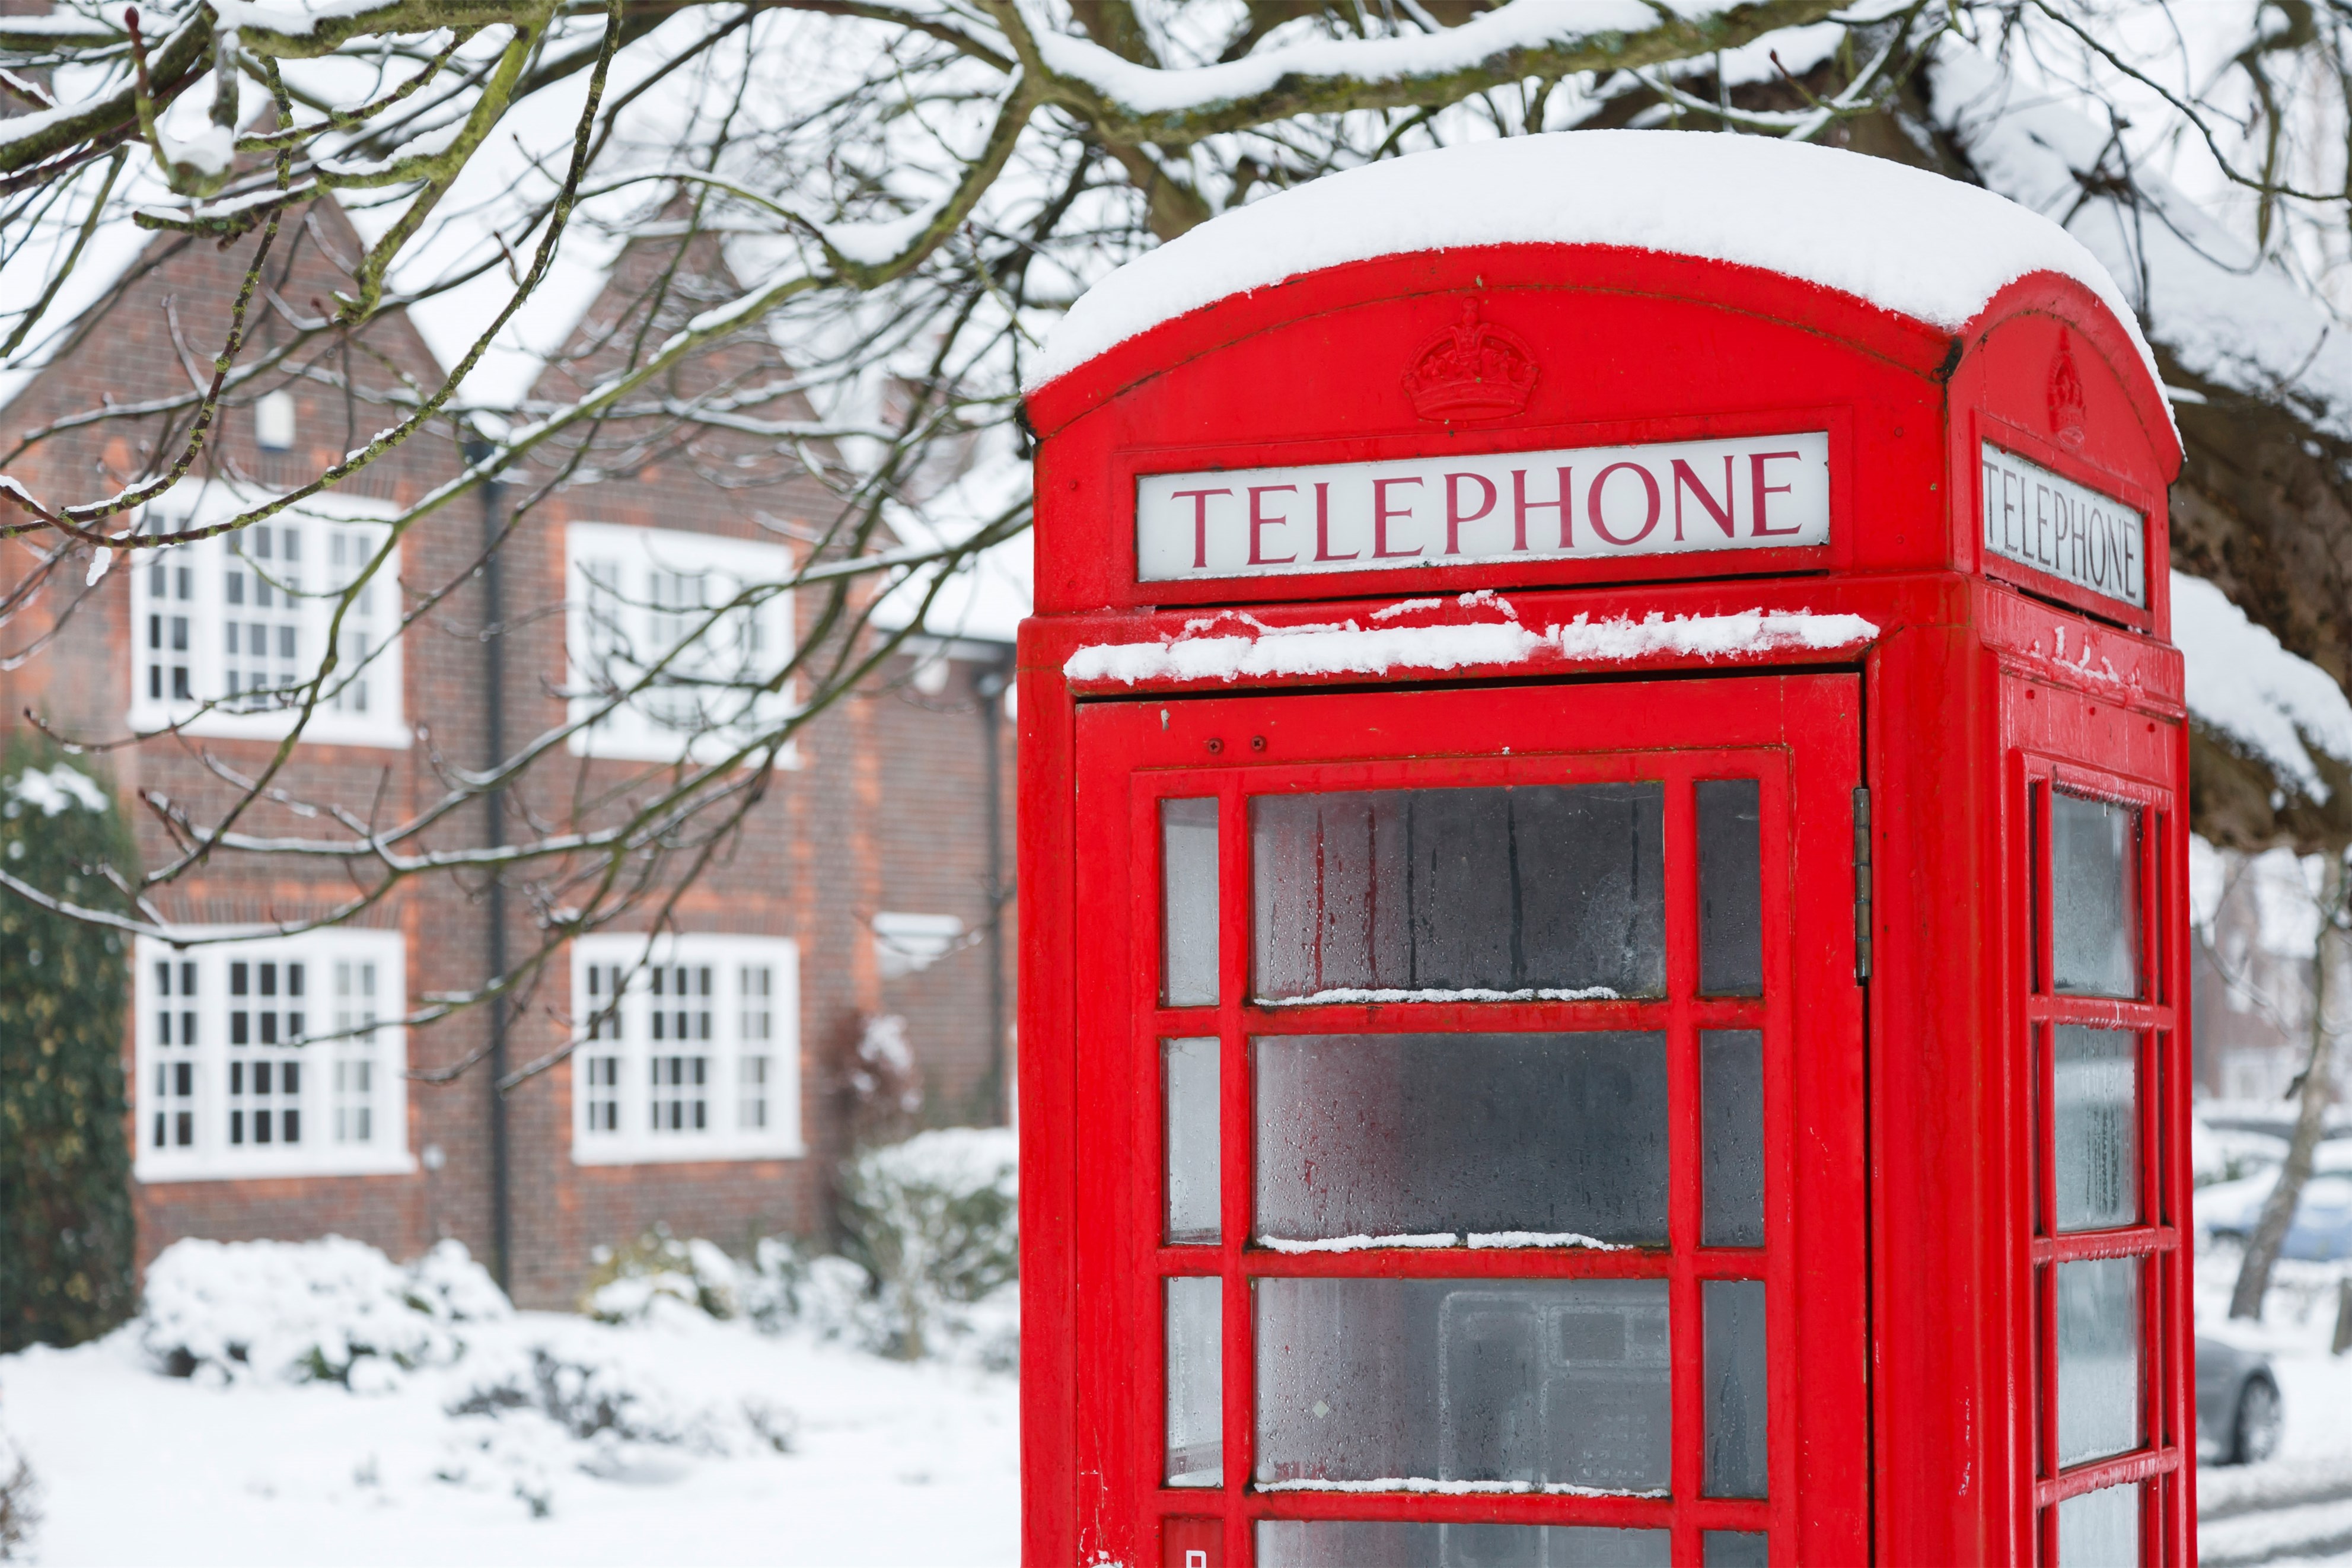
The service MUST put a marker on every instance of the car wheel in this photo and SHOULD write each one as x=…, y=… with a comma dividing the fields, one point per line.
x=2255, y=1435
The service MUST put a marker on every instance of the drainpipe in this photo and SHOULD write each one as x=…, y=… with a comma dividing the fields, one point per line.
x=991, y=683
x=494, y=801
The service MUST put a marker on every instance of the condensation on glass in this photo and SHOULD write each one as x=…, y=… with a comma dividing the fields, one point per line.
x=1188, y=850
x=1731, y=889
x=1398, y=1543
x=2095, y=1126
x=1196, y=1397
x=2093, y=897
x=1735, y=1408
x=1557, y=1136
x=1188, y=1077
x=1731, y=1102
x=2100, y=1529
x=1544, y=1382
x=1535, y=888
x=2098, y=1359
x=1736, y=1549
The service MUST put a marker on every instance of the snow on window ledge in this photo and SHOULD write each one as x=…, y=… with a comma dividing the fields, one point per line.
x=1204, y=652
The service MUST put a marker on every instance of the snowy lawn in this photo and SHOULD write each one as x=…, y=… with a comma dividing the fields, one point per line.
x=315, y=1402
x=888, y=1464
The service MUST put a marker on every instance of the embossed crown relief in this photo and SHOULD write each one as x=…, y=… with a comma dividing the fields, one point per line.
x=2069, y=412
x=1474, y=371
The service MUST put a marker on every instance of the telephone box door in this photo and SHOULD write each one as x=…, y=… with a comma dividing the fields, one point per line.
x=1494, y=1190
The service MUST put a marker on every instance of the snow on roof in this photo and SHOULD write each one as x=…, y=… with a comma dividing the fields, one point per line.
x=1906, y=240
x=2227, y=315
x=2242, y=684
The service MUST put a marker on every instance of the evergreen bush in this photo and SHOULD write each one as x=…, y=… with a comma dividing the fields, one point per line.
x=65, y=1231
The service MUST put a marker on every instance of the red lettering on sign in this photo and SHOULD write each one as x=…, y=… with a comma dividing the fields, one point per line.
x=1323, y=526
x=1521, y=506
x=1200, y=500
x=1756, y=473
x=1722, y=514
x=1259, y=522
x=1593, y=503
x=1454, y=516
x=1380, y=515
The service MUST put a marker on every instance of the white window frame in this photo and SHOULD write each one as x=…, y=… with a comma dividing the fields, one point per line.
x=185, y=598
x=198, y=1089
x=618, y=578
x=615, y=1057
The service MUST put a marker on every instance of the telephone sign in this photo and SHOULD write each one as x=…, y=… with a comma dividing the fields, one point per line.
x=1669, y=498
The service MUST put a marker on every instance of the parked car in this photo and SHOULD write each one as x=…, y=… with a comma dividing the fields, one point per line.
x=2322, y=1231
x=2239, y=1413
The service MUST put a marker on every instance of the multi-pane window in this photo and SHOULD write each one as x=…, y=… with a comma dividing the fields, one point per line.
x=755, y=988
x=350, y=552
x=353, y=1050
x=262, y=614
x=676, y=649
x=688, y=1049
x=599, y=1054
x=271, y=1056
x=2105, y=1253
x=228, y=629
x=1462, y=1265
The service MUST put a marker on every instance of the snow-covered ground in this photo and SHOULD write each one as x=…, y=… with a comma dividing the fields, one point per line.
x=2305, y=1493
x=740, y=1446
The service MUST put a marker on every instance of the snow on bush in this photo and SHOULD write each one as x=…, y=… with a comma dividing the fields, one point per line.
x=629, y=1284
x=932, y=1222
x=18, y=1492
x=331, y=1310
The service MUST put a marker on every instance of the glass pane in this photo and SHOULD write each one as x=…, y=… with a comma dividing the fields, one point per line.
x=2100, y=1529
x=1495, y=1139
x=2098, y=1359
x=1196, y=1387
x=1736, y=1408
x=1394, y=1543
x=1731, y=1100
x=1550, y=1382
x=1543, y=889
x=1189, y=1079
x=1737, y=1548
x=2095, y=896
x=1188, y=838
x=1731, y=889
x=2095, y=1121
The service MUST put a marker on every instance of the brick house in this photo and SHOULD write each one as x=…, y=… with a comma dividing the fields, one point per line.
x=871, y=878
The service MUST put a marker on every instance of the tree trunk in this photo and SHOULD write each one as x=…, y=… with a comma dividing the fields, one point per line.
x=2311, y=1114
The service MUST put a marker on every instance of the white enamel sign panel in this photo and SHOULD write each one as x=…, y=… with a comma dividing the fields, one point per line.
x=2049, y=522
x=1748, y=492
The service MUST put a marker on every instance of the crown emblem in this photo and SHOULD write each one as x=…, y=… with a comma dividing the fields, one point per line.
x=2069, y=410
x=1477, y=371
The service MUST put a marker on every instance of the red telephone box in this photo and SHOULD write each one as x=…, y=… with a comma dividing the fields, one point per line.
x=1604, y=877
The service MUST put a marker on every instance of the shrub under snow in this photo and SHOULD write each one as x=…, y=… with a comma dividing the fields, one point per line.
x=331, y=1310
x=629, y=1283
x=932, y=1221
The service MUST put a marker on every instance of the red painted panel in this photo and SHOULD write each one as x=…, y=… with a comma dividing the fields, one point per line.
x=1800, y=736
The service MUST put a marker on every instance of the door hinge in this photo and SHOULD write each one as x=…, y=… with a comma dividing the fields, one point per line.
x=1862, y=882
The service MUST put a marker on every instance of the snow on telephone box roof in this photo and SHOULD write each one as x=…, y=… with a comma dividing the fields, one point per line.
x=1908, y=241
